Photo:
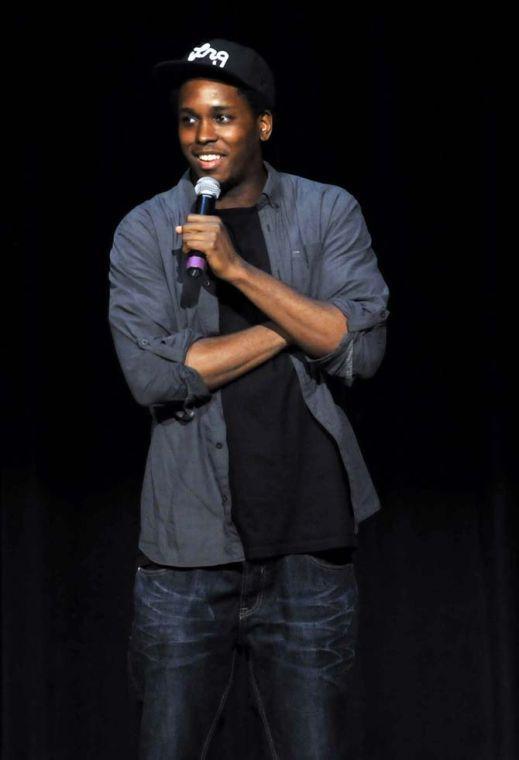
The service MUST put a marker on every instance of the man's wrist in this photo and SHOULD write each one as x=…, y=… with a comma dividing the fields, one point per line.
x=239, y=272
x=279, y=330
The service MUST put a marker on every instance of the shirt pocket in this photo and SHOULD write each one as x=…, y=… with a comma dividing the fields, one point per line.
x=304, y=263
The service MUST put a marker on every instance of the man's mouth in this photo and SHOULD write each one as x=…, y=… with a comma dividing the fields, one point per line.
x=209, y=160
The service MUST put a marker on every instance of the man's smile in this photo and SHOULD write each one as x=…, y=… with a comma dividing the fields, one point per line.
x=209, y=160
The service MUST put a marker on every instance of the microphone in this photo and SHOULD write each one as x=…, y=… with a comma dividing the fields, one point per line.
x=208, y=191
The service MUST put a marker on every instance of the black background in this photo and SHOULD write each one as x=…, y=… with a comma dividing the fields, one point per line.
x=400, y=109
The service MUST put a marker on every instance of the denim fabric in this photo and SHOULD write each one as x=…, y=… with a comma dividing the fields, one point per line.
x=296, y=618
x=318, y=244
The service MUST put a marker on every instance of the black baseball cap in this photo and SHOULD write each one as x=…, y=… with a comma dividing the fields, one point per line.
x=219, y=59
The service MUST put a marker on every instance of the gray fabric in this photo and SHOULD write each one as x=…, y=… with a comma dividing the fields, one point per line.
x=318, y=243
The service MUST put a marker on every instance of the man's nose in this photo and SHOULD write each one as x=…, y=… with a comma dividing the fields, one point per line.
x=206, y=131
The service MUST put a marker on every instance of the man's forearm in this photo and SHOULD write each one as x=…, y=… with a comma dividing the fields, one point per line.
x=221, y=358
x=316, y=326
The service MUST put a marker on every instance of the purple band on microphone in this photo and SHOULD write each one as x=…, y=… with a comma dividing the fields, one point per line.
x=196, y=261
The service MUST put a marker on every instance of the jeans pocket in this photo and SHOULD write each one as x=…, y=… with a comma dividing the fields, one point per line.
x=335, y=561
x=153, y=570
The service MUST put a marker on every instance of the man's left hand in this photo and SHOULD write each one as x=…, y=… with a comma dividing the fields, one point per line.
x=209, y=235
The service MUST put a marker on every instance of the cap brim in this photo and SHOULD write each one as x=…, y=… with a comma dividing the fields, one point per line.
x=171, y=74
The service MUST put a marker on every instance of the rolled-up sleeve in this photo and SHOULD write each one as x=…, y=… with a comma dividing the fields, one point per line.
x=150, y=351
x=349, y=278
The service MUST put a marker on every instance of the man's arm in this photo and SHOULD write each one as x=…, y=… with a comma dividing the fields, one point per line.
x=351, y=292
x=222, y=358
x=349, y=278
x=154, y=356
x=150, y=351
x=342, y=330
x=316, y=326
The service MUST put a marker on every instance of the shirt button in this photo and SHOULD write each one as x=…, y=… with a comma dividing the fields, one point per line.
x=224, y=499
x=219, y=445
x=144, y=341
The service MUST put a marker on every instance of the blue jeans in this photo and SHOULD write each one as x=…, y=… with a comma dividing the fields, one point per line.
x=296, y=618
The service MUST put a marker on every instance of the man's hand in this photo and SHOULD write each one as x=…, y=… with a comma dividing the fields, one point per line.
x=209, y=235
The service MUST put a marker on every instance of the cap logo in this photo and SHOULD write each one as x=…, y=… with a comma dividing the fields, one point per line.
x=215, y=55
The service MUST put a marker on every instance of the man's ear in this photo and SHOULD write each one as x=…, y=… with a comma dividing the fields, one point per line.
x=265, y=125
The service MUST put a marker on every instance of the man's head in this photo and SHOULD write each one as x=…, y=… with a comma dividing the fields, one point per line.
x=222, y=108
x=216, y=120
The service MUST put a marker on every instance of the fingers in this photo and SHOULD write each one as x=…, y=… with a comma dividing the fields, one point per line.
x=193, y=229
x=197, y=242
x=200, y=232
x=198, y=222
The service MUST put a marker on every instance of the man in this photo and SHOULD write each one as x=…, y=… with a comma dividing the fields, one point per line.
x=254, y=484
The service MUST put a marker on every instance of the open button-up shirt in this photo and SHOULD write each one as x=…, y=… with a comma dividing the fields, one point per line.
x=318, y=244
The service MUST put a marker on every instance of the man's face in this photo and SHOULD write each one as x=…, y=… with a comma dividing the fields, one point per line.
x=218, y=132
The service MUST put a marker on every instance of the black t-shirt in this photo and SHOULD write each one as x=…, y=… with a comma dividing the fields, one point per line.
x=289, y=488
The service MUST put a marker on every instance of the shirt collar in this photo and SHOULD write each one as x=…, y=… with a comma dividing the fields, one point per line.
x=271, y=192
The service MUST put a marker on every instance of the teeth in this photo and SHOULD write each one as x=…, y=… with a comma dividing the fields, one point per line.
x=209, y=156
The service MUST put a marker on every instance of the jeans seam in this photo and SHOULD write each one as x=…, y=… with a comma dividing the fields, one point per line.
x=218, y=711
x=263, y=713
x=129, y=669
x=258, y=601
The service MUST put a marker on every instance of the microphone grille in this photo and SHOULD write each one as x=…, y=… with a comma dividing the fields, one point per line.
x=208, y=186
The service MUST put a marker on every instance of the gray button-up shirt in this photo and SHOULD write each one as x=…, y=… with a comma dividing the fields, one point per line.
x=318, y=244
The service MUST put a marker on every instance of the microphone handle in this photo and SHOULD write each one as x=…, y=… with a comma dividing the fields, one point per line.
x=196, y=263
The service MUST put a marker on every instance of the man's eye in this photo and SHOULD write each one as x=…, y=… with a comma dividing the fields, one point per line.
x=186, y=119
x=225, y=117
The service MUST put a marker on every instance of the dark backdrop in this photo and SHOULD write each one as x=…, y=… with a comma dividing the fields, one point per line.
x=400, y=109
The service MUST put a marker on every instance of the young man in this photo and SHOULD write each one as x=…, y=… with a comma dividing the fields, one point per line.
x=254, y=484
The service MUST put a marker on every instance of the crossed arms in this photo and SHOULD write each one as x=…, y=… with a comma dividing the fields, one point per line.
x=342, y=332
x=315, y=326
